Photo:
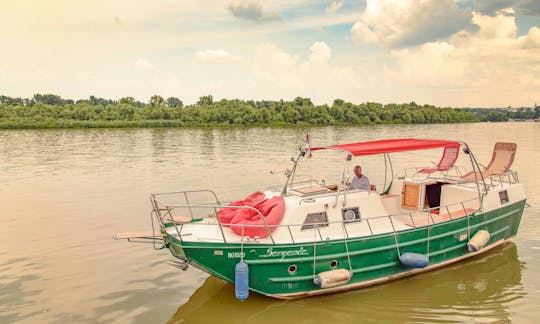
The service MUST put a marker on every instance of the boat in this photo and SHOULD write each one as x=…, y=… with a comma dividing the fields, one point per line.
x=313, y=237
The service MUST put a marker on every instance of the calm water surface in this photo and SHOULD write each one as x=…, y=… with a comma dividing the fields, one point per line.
x=63, y=193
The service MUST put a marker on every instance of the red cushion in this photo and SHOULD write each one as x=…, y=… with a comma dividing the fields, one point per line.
x=276, y=208
x=273, y=210
x=226, y=215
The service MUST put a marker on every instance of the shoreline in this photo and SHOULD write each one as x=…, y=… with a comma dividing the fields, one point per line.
x=70, y=124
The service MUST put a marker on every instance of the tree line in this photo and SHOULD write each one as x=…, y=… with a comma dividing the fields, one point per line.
x=506, y=114
x=52, y=111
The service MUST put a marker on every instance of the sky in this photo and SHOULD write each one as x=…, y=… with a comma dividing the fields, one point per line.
x=456, y=53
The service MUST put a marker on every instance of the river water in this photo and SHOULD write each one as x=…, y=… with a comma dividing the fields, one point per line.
x=63, y=193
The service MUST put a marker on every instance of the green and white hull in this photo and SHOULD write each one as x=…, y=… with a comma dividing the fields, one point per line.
x=372, y=259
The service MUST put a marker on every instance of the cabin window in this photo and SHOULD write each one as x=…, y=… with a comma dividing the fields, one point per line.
x=292, y=269
x=350, y=214
x=315, y=220
x=503, y=196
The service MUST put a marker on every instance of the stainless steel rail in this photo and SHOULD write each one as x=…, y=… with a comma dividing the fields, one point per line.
x=165, y=215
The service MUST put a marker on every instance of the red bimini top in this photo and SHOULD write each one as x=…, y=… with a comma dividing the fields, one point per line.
x=389, y=146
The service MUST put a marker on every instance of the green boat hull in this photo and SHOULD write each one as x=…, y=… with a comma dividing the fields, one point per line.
x=287, y=270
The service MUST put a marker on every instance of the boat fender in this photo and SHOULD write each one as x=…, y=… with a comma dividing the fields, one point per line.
x=414, y=260
x=478, y=240
x=332, y=278
x=241, y=280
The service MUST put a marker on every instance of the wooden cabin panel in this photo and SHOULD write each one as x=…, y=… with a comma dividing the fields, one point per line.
x=410, y=196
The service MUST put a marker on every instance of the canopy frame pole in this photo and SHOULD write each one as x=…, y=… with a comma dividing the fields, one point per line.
x=290, y=174
x=391, y=166
x=476, y=170
x=385, y=172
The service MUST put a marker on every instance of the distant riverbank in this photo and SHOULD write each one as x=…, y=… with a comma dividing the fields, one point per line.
x=51, y=111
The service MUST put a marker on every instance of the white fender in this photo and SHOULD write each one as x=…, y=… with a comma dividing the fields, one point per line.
x=478, y=240
x=332, y=278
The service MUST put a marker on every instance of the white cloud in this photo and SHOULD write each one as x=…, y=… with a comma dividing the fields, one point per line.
x=320, y=53
x=245, y=9
x=363, y=33
x=250, y=10
x=275, y=65
x=217, y=55
x=432, y=64
x=532, y=39
x=491, y=7
x=501, y=26
x=143, y=65
x=491, y=65
x=410, y=22
x=286, y=76
x=334, y=6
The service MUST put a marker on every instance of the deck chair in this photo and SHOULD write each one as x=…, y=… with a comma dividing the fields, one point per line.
x=501, y=160
x=447, y=161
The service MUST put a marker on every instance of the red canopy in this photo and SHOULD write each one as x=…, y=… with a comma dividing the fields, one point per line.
x=389, y=146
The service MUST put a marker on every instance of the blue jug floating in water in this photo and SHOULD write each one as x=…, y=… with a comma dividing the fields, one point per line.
x=241, y=280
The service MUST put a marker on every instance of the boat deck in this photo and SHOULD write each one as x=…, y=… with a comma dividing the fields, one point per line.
x=423, y=219
x=208, y=230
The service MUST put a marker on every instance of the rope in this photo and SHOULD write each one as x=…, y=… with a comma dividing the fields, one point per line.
x=395, y=235
x=314, y=251
x=468, y=228
x=428, y=230
x=348, y=256
x=242, y=245
x=397, y=245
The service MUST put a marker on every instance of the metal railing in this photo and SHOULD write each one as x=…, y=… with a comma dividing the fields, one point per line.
x=452, y=174
x=490, y=182
x=510, y=177
x=165, y=213
x=296, y=185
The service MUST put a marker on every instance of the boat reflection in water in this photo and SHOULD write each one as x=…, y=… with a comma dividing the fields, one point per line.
x=480, y=289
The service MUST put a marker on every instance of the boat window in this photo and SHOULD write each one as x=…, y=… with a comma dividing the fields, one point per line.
x=350, y=214
x=315, y=220
x=503, y=196
x=292, y=269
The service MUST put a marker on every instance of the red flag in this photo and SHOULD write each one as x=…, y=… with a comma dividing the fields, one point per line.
x=308, y=146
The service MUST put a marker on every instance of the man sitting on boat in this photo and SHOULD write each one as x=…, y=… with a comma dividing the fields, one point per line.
x=360, y=181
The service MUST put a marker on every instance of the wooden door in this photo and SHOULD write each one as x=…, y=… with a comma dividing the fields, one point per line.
x=410, y=195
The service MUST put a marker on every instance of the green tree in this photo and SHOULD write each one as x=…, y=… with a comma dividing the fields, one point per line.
x=127, y=100
x=157, y=100
x=205, y=100
x=49, y=99
x=174, y=102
